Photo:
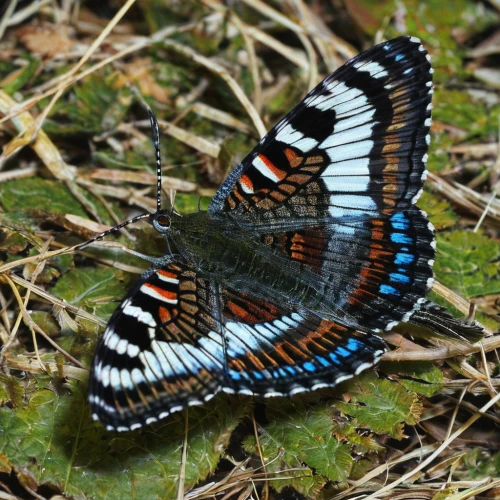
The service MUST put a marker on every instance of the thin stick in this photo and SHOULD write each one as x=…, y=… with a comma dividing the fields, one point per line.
x=182, y=472
x=259, y=449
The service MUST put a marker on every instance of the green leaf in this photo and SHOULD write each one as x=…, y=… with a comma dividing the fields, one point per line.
x=468, y=263
x=458, y=108
x=20, y=77
x=439, y=211
x=53, y=438
x=481, y=464
x=296, y=436
x=11, y=241
x=417, y=376
x=39, y=195
x=95, y=289
x=101, y=101
x=380, y=405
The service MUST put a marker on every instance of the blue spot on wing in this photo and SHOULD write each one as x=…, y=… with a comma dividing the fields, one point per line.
x=401, y=239
x=341, y=351
x=354, y=345
x=399, y=57
x=403, y=259
x=400, y=221
x=334, y=358
x=399, y=278
x=388, y=290
x=323, y=361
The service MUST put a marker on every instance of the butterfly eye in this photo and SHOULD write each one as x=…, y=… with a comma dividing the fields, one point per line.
x=163, y=221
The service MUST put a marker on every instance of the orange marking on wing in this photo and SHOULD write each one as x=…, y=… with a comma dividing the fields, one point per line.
x=167, y=294
x=282, y=353
x=245, y=181
x=299, y=178
x=391, y=187
x=255, y=361
x=277, y=196
x=280, y=174
x=377, y=253
x=288, y=188
x=314, y=160
x=240, y=314
x=237, y=194
x=363, y=293
x=353, y=300
x=237, y=364
x=296, y=352
x=154, y=392
x=366, y=273
x=165, y=315
x=376, y=272
x=264, y=310
x=293, y=158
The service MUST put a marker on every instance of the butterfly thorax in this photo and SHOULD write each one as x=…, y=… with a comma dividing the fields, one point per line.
x=233, y=255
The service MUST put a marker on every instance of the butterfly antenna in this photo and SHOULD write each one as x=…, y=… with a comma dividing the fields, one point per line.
x=156, y=142
x=112, y=230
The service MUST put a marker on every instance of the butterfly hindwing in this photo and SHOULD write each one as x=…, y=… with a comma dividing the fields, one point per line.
x=156, y=354
x=370, y=271
x=278, y=350
x=182, y=339
x=355, y=145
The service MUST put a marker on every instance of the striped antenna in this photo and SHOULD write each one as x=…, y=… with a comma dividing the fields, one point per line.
x=156, y=142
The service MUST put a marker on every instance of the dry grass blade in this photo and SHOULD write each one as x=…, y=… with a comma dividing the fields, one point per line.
x=42, y=145
x=222, y=72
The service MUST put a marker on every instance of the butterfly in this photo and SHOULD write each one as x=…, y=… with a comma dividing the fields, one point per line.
x=311, y=247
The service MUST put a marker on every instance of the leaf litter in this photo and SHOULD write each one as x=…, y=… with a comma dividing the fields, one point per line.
x=76, y=151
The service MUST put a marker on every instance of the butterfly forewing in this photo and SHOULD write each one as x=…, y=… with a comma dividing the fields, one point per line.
x=161, y=350
x=355, y=145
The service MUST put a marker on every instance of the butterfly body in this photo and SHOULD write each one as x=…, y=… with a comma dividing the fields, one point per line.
x=310, y=248
x=236, y=258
